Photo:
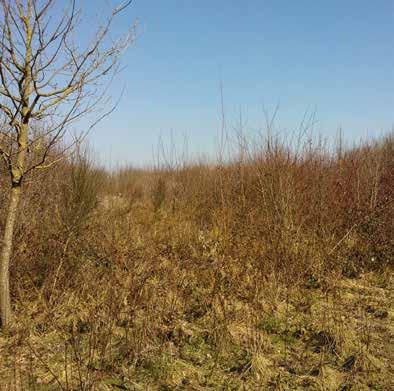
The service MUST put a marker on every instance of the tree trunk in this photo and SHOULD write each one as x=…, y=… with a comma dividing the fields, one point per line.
x=6, y=252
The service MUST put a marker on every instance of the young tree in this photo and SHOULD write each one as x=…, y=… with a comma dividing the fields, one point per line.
x=47, y=82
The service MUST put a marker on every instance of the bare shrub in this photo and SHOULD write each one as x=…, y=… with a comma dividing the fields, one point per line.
x=270, y=271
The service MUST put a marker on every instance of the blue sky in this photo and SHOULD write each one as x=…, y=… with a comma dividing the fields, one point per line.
x=335, y=57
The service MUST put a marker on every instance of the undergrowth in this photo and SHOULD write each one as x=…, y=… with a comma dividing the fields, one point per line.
x=271, y=271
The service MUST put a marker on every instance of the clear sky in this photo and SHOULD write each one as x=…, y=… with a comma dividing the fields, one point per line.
x=335, y=57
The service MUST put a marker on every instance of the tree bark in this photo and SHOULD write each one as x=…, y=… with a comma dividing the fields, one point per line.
x=6, y=251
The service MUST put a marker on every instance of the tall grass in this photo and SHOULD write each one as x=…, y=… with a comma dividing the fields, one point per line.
x=270, y=270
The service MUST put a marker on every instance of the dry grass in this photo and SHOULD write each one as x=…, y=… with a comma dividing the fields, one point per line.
x=269, y=272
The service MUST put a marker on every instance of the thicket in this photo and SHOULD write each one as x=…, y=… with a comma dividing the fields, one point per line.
x=269, y=270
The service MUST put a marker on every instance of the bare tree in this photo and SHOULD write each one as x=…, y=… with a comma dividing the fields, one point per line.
x=47, y=82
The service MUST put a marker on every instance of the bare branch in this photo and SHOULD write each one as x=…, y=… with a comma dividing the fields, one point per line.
x=46, y=79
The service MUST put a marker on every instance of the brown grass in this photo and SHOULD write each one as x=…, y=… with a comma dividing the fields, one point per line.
x=268, y=272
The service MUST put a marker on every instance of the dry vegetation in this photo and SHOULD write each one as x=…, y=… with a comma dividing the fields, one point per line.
x=269, y=272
